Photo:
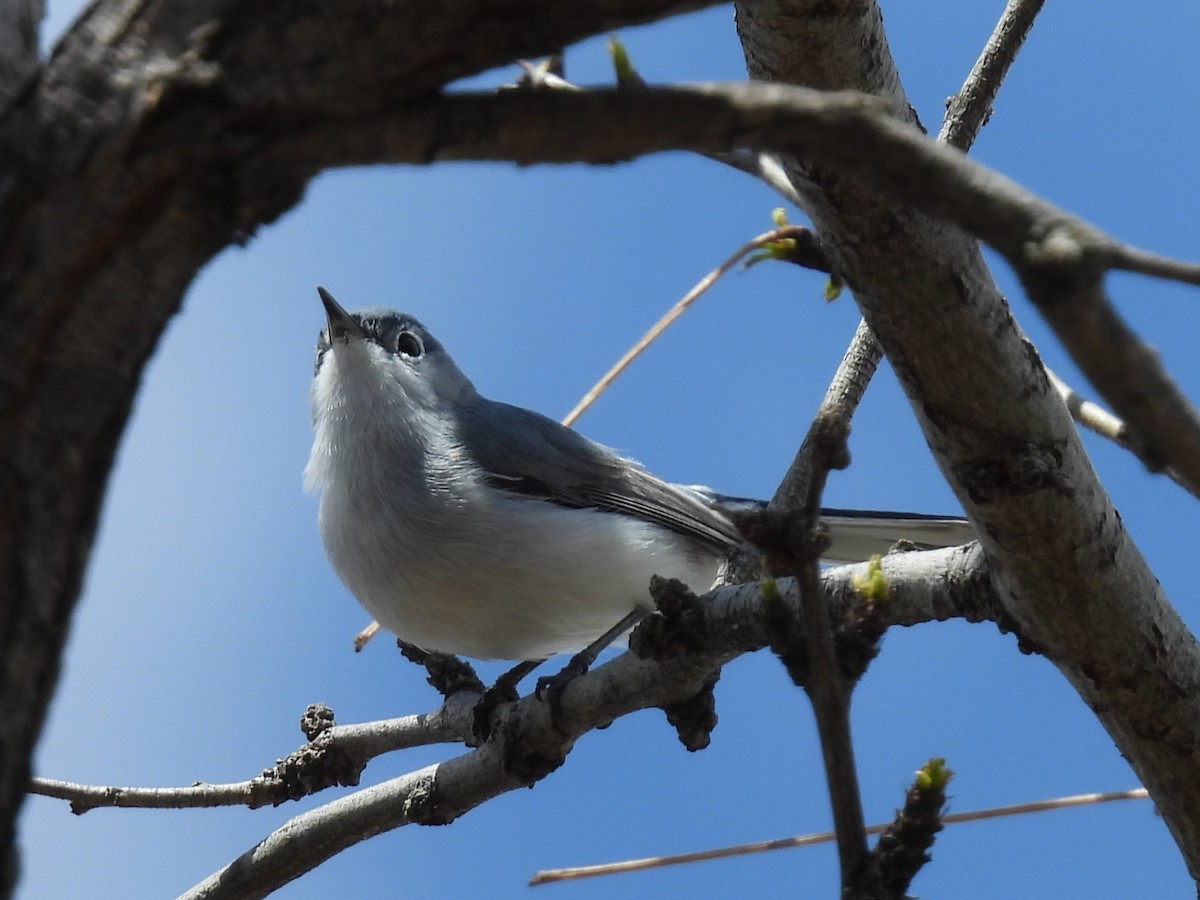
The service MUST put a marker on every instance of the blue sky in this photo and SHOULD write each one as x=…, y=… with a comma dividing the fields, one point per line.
x=210, y=617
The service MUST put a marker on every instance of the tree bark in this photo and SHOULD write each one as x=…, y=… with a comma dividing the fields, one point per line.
x=158, y=134
x=1066, y=570
x=132, y=157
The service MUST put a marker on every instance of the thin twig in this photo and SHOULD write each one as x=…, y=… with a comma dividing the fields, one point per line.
x=363, y=637
x=1090, y=415
x=969, y=109
x=845, y=392
x=1134, y=259
x=1099, y=420
x=763, y=166
x=680, y=307
x=547, y=876
x=349, y=746
x=824, y=683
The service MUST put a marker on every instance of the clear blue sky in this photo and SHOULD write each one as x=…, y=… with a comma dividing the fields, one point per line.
x=211, y=618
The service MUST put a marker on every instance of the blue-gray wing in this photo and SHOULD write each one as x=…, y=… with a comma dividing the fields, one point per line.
x=534, y=456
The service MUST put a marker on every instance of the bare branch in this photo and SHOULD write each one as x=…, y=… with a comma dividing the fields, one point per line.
x=19, y=21
x=1020, y=471
x=790, y=232
x=923, y=586
x=965, y=115
x=844, y=393
x=1099, y=420
x=335, y=756
x=1059, y=258
x=827, y=686
x=548, y=876
x=1132, y=259
x=969, y=109
x=919, y=592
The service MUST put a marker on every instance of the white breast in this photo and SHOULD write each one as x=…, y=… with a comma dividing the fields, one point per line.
x=492, y=576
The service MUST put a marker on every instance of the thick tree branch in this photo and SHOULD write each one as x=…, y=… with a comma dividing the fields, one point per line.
x=1067, y=570
x=1060, y=258
x=109, y=205
x=160, y=133
x=19, y=20
x=966, y=114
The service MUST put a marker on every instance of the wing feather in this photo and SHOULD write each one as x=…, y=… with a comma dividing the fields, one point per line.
x=535, y=456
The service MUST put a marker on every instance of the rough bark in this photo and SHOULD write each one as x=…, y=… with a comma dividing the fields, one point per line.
x=18, y=45
x=128, y=160
x=158, y=134
x=1067, y=572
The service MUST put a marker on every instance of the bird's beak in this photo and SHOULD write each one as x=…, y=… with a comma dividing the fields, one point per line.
x=341, y=323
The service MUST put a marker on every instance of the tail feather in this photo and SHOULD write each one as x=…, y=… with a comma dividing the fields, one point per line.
x=855, y=535
x=858, y=534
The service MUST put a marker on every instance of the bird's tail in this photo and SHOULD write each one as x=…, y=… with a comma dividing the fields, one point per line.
x=858, y=534
x=855, y=535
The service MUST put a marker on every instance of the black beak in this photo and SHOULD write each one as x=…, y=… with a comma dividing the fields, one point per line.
x=341, y=323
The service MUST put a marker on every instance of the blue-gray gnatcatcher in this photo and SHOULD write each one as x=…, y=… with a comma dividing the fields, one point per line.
x=473, y=527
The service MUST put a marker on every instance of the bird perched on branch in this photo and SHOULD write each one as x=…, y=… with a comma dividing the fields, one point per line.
x=473, y=527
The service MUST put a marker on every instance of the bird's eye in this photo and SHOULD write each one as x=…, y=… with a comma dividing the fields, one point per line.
x=409, y=344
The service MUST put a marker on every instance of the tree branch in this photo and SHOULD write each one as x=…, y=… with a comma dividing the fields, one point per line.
x=337, y=755
x=926, y=586
x=827, y=686
x=156, y=136
x=1068, y=572
x=966, y=114
x=19, y=22
x=1059, y=258
x=923, y=586
x=110, y=204
x=968, y=110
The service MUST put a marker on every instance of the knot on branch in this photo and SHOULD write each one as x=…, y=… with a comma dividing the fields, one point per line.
x=904, y=845
x=695, y=718
x=424, y=807
x=316, y=719
x=1023, y=470
x=676, y=630
x=317, y=765
x=857, y=635
x=1057, y=246
x=786, y=538
x=448, y=675
x=1062, y=258
x=1063, y=262
x=529, y=750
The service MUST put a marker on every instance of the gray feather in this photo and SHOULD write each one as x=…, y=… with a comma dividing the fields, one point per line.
x=537, y=457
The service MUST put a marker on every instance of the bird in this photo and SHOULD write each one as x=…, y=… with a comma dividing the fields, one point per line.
x=477, y=528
